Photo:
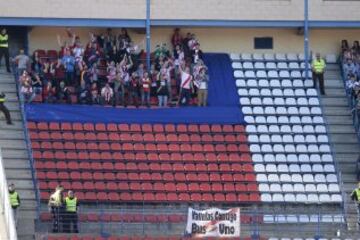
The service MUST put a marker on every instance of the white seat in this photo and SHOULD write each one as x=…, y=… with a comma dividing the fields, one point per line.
x=310, y=188
x=275, y=138
x=311, y=92
x=303, y=158
x=293, y=111
x=255, y=101
x=273, y=178
x=262, y=129
x=258, y=56
x=260, y=120
x=274, y=129
x=248, y=65
x=263, y=83
x=304, y=218
x=287, y=187
x=322, y=188
x=277, y=197
x=288, y=138
x=306, y=120
x=298, y=83
x=265, y=93
x=295, y=120
x=265, y=197
x=250, y=74
x=333, y=188
x=270, y=65
x=279, y=157
x=281, y=111
x=309, y=74
x=259, y=65
x=275, y=187
x=313, y=198
x=267, y=101
x=282, y=168
x=257, y=158
x=302, y=101
x=250, y=129
x=301, y=148
x=283, y=119
x=294, y=65
x=338, y=219
x=282, y=65
x=314, y=158
x=270, y=168
x=244, y=101
x=290, y=101
x=326, y=158
x=316, y=111
x=269, y=57
x=317, y=168
x=240, y=83
x=320, y=178
x=324, y=148
x=268, y=158
x=254, y=92
x=277, y=92
x=295, y=74
x=297, y=129
x=259, y=168
x=264, y=138
x=320, y=129
x=266, y=148
x=243, y=92
x=292, y=57
x=310, y=139
x=289, y=148
x=273, y=74
x=270, y=110
x=246, y=56
x=286, y=83
x=300, y=93
x=236, y=65
x=288, y=92
x=308, y=83
x=331, y=178
x=296, y=178
x=289, y=197
x=253, y=138
x=304, y=111
x=249, y=119
x=284, y=74
x=299, y=187
x=234, y=56
x=324, y=198
x=247, y=110
x=275, y=83
x=294, y=168
x=299, y=139
x=280, y=56
x=314, y=219
x=314, y=101
x=308, y=178
x=291, y=219
x=238, y=74
x=269, y=219
x=251, y=83
x=301, y=198
x=261, y=178
x=285, y=129
x=279, y=101
x=337, y=198
x=308, y=129
x=305, y=168
x=255, y=148
x=322, y=139
x=278, y=148
x=302, y=65
x=264, y=187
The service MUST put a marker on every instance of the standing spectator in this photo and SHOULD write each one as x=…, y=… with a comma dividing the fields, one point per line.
x=145, y=90
x=107, y=95
x=356, y=47
x=14, y=202
x=71, y=215
x=111, y=70
x=133, y=90
x=63, y=93
x=22, y=62
x=55, y=204
x=344, y=46
x=185, y=86
x=4, y=48
x=49, y=93
x=84, y=95
x=4, y=109
x=197, y=54
x=36, y=85
x=162, y=91
x=95, y=98
x=114, y=55
x=68, y=62
x=318, y=69
x=201, y=81
x=36, y=64
x=176, y=38
x=26, y=91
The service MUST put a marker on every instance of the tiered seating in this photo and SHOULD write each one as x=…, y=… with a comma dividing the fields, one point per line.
x=151, y=163
x=292, y=218
x=286, y=130
x=76, y=237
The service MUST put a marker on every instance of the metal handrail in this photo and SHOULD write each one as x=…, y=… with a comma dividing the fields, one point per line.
x=27, y=140
x=5, y=206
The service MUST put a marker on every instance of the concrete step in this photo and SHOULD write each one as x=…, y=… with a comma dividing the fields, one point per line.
x=347, y=119
x=334, y=102
x=12, y=144
x=8, y=87
x=17, y=125
x=337, y=111
x=13, y=135
x=13, y=174
x=347, y=148
x=334, y=92
x=338, y=128
x=17, y=163
x=11, y=153
x=344, y=138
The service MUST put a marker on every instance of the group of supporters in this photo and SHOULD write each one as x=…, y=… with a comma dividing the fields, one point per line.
x=110, y=70
x=350, y=57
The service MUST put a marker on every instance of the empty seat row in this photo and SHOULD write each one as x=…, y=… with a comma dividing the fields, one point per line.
x=296, y=178
x=302, y=218
x=163, y=197
x=288, y=138
x=143, y=166
x=299, y=188
x=272, y=74
x=317, y=120
x=277, y=92
x=161, y=147
x=81, y=186
x=301, y=198
x=137, y=137
x=259, y=110
x=145, y=176
x=292, y=158
x=294, y=168
x=260, y=65
x=289, y=148
x=123, y=127
x=141, y=156
x=285, y=129
x=268, y=56
x=273, y=83
x=278, y=101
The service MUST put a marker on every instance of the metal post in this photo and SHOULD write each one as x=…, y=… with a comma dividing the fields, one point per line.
x=148, y=38
x=306, y=37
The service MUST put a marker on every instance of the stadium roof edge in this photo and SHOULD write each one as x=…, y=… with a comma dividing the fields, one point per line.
x=141, y=23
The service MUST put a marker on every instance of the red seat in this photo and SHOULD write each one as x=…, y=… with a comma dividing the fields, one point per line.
x=171, y=138
x=161, y=197
x=158, y=128
x=31, y=126
x=137, y=196
x=231, y=197
x=170, y=128
x=146, y=128
x=135, y=127
x=42, y=126
x=184, y=197
x=112, y=127
x=181, y=128
x=172, y=197
x=123, y=127
x=100, y=127
x=207, y=197
x=89, y=127
x=239, y=128
x=77, y=127
x=219, y=197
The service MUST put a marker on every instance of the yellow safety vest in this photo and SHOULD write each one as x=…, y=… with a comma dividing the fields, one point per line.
x=4, y=41
x=2, y=100
x=14, y=202
x=318, y=65
x=70, y=204
x=357, y=194
x=55, y=199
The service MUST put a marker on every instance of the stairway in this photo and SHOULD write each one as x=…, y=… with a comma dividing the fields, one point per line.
x=342, y=134
x=15, y=157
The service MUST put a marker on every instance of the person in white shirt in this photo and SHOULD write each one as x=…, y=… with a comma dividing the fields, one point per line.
x=107, y=94
x=186, y=85
x=201, y=82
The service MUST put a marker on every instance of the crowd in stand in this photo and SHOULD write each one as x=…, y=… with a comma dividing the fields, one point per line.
x=111, y=70
x=350, y=57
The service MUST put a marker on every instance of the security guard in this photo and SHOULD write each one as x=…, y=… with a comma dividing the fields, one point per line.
x=318, y=66
x=4, y=109
x=355, y=196
x=4, y=48
x=55, y=205
x=70, y=216
x=14, y=201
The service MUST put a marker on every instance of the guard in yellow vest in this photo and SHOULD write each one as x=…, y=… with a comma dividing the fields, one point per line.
x=14, y=201
x=55, y=204
x=318, y=66
x=4, y=109
x=355, y=196
x=70, y=215
x=4, y=48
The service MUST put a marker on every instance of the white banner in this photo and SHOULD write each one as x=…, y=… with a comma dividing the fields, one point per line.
x=213, y=222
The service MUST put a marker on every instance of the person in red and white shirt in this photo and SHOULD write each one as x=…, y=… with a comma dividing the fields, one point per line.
x=186, y=85
x=107, y=94
x=145, y=89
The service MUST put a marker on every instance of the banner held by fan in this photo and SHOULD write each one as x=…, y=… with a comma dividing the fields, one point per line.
x=213, y=222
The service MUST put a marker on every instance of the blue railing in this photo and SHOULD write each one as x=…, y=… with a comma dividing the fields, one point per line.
x=27, y=139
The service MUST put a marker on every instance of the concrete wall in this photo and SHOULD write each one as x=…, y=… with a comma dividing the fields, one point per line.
x=182, y=9
x=215, y=39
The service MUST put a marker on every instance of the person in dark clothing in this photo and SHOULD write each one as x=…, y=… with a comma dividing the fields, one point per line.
x=64, y=93
x=4, y=109
x=71, y=215
x=4, y=48
x=133, y=90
